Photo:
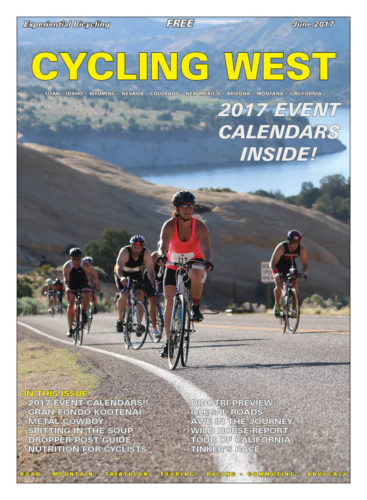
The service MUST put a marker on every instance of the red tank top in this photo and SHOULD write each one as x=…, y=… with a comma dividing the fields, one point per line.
x=182, y=251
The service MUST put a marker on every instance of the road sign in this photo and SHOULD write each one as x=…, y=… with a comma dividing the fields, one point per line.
x=266, y=273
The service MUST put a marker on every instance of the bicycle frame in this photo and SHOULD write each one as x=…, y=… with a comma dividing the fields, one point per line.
x=181, y=325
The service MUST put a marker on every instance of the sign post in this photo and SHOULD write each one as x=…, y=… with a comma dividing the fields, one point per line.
x=267, y=278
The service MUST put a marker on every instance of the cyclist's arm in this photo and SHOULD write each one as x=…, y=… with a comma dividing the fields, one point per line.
x=278, y=252
x=88, y=271
x=121, y=260
x=203, y=234
x=304, y=259
x=96, y=279
x=167, y=231
x=148, y=261
x=66, y=274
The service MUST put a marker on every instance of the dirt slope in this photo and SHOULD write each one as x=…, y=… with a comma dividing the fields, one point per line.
x=69, y=197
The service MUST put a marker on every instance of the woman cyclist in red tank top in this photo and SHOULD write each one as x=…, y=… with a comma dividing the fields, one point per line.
x=183, y=238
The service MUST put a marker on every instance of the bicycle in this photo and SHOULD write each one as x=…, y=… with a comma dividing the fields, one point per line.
x=77, y=325
x=181, y=324
x=135, y=318
x=289, y=302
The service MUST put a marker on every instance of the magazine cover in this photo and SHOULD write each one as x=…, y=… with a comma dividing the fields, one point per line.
x=183, y=267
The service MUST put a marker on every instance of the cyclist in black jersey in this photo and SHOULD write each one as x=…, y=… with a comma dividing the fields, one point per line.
x=283, y=259
x=129, y=263
x=77, y=273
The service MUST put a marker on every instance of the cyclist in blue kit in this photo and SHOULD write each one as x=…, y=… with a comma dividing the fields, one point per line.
x=283, y=259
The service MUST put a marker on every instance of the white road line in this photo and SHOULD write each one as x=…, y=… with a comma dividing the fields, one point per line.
x=241, y=463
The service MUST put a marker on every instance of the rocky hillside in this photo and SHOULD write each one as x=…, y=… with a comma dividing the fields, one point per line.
x=67, y=197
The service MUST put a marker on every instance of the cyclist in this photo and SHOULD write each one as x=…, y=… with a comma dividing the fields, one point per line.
x=183, y=238
x=283, y=259
x=77, y=273
x=49, y=289
x=95, y=285
x=59, y=293
x=129, y=263
x=151, y=293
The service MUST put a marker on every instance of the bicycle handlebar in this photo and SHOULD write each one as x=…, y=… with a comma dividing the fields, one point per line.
x=294, y=276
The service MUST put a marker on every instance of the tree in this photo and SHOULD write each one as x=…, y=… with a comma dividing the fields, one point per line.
x=105, y=251
x=308, y=195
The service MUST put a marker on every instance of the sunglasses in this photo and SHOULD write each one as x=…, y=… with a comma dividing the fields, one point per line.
x=187, y=205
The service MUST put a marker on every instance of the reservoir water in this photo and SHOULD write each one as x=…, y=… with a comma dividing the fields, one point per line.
x=286, y=177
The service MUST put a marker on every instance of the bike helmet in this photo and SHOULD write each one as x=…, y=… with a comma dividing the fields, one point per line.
x=293, y=234
x=182, y=197
x=49, y=282
x=89, y=259
x=57, y=281
x=137, y=240
x=75, y=252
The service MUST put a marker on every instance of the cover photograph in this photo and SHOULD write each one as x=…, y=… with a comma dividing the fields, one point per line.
x=183, y=240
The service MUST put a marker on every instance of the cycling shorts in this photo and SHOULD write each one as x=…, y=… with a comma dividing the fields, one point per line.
x=170, y=277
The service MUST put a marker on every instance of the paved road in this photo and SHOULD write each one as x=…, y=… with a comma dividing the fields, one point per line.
x=253, y=402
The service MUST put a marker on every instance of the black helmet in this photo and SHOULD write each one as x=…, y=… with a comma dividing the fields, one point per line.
x=182, y=197
x=293, y=234
x=75, y=252
x=89, y=259
x=137, y=239
x=57, y=281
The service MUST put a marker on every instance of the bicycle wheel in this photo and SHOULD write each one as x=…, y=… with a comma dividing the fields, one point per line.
x=90, y=316
x=293, y=311
x=126, y=336
x=177, y=331
x=283, y=313
x=160, y=317
x=78, y=339
x=76, y=323
x=186, y=337
x=137, y=323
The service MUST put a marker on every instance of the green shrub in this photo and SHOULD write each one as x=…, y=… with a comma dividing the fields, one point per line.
x=44, y=270
x=24, y=288
x=28, y=305
x=165, y=117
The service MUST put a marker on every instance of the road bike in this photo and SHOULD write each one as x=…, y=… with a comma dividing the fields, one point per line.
x=289, y=302
x=181, y=326
x=135, y=318
x=78, y=325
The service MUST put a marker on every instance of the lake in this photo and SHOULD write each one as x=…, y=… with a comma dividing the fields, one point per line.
x=286, y=177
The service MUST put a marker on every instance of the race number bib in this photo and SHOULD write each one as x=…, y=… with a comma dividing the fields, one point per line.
x=182, y=258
